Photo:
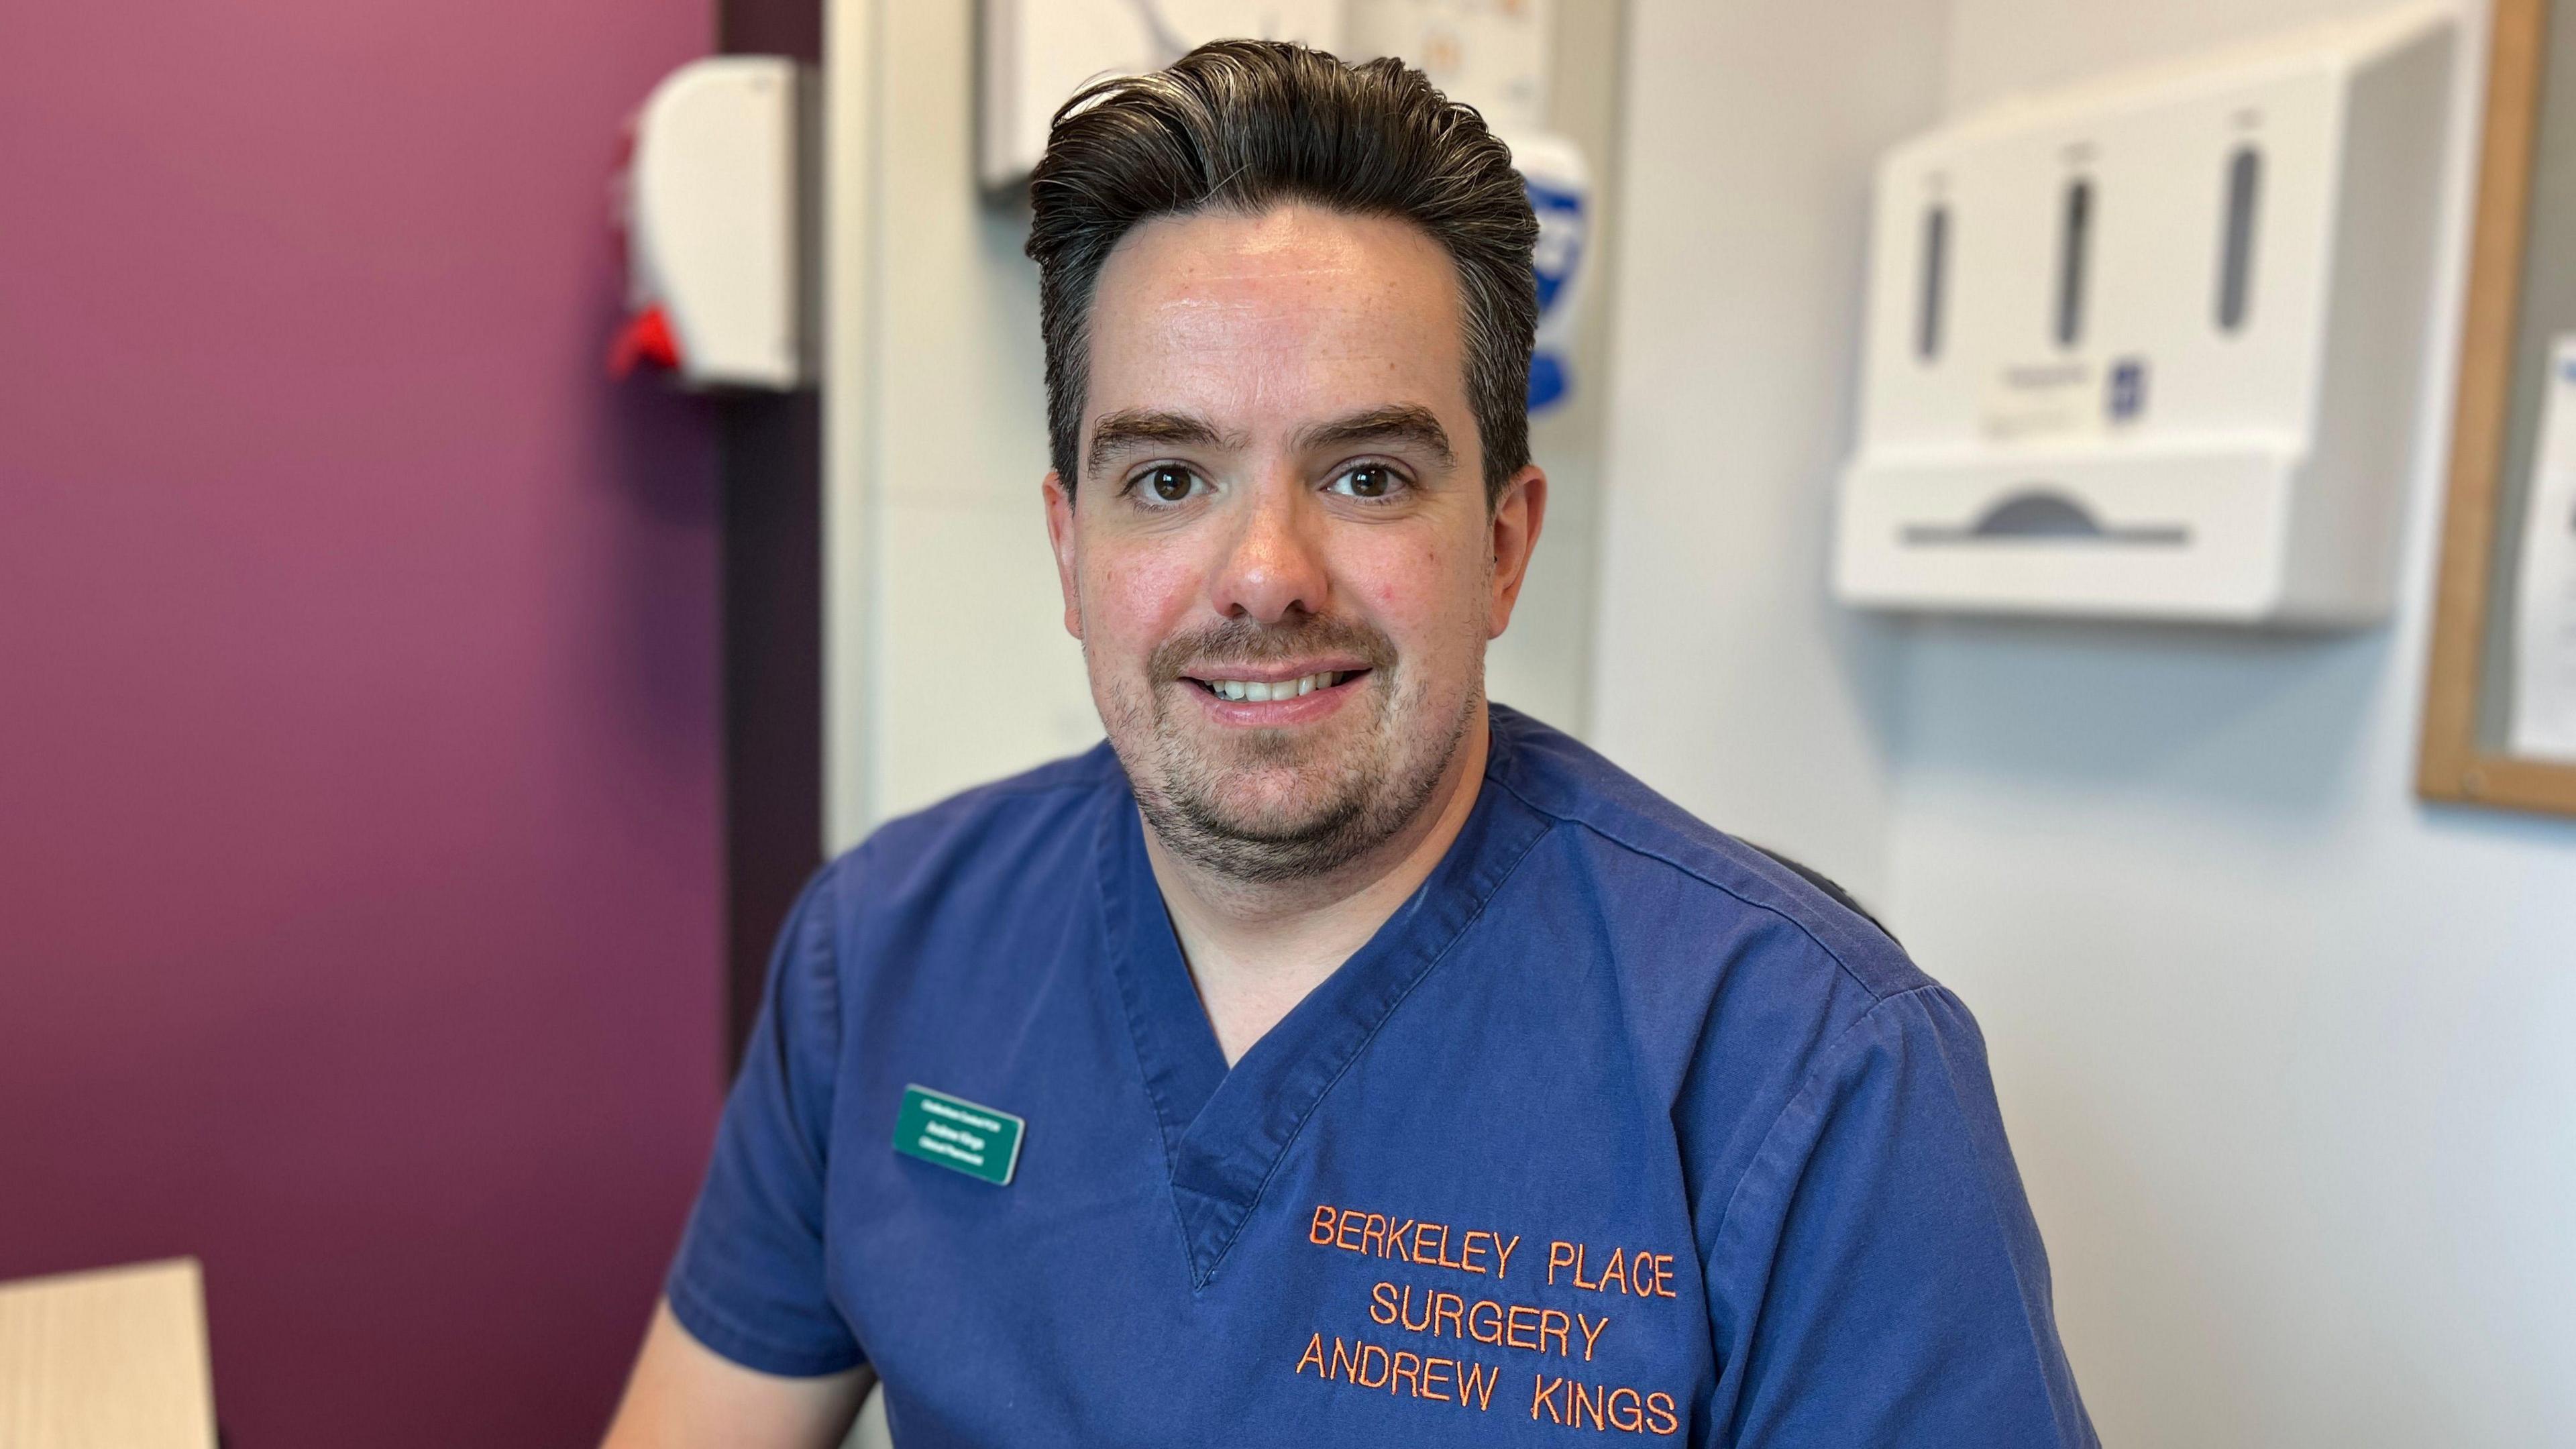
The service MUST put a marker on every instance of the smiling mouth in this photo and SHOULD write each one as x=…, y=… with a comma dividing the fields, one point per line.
x=1263, y=690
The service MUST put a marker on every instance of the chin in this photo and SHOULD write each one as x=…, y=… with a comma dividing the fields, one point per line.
x=1270, y=801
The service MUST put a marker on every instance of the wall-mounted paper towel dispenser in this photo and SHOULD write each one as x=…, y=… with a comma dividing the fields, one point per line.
x=2151, y=347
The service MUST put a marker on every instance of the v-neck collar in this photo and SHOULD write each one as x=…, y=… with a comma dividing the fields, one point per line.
x=1224, y=1131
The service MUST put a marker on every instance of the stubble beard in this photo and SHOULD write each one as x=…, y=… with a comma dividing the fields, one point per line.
x=1194, y=797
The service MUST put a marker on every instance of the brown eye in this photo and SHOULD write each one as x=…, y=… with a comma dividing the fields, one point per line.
x=1369, y=480
x=1169, y=484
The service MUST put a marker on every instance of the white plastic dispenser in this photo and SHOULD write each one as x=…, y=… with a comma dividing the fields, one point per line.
x=2150, y=347
x=712, y=230
x=1037, y=53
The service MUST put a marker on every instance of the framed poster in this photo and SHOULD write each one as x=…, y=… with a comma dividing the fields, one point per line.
x=2500, y=698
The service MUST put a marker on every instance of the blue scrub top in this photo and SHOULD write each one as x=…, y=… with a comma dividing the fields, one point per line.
x=1617, y=1126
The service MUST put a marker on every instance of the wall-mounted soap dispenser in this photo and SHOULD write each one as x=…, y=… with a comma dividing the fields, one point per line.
x=710, y=211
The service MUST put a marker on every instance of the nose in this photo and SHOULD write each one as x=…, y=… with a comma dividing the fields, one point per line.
x=1274, y=563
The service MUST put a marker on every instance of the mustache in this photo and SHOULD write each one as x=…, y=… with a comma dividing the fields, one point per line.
x=1244, y=641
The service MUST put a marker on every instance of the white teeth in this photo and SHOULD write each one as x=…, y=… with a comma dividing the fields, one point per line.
x=1265, y=690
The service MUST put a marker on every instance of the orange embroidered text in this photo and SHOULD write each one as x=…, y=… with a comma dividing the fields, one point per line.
x=1401, y=1372
x=1443, y=1314
x=1601, y=1407
x=1410, y=1240
x=1635, y=1272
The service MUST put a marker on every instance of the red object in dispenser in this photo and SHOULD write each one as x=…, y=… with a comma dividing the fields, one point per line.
x=646, y=337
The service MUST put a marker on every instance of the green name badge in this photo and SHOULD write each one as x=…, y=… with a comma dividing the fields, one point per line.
x=955, y=1133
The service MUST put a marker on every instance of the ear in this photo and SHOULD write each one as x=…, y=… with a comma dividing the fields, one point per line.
x=1059, y=519
x=1512, y=532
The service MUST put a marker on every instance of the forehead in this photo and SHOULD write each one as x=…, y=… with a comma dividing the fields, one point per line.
x=1287, y=314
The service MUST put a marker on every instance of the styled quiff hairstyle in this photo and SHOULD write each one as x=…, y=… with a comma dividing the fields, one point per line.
x=1251, y=124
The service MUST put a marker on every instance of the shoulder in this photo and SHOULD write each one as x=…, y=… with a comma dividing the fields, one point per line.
x=1757, y=1005
x=1024, y=829
x=1702, y=887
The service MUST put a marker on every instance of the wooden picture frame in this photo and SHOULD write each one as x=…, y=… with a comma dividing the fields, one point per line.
x=2461, y=759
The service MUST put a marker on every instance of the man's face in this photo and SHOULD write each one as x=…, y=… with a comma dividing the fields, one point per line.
x=1278, y=557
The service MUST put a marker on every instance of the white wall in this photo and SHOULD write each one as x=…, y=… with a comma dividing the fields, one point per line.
x=1721, y=672
x=1542, y=665
x=948, y=662
x=2291, y=1058
x=2288, y=1058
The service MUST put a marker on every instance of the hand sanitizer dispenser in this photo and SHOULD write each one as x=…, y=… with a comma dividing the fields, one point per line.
x=2151, y=347
x=709, y=211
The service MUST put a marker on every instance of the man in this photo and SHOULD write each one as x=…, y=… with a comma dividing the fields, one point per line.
x=1332, y=1058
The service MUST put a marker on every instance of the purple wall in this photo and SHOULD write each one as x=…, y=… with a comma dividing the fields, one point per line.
x=359, y=807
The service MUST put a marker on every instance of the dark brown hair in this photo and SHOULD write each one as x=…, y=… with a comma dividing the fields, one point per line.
x=1250, y=124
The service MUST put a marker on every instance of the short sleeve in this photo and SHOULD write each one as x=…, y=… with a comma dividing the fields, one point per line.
x=749, y=1279
x=1877, y=1277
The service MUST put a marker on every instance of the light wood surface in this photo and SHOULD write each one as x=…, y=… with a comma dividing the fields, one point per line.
x=112, y=1359
x=2454, y=764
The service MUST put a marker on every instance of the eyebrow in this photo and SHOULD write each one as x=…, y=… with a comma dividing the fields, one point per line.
x=1397, y=423
x=1132, y=430
x=1135, y=429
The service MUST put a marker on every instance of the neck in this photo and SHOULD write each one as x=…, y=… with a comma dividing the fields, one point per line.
x=1255, y=950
